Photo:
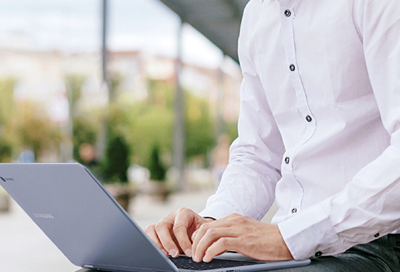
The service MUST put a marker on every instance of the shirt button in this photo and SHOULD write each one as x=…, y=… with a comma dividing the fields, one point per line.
x=292, y=67
x=288, y=13
x=294, y=210
x=318, y=254
x=287, y=160
x=376, y=235
x=308, y=118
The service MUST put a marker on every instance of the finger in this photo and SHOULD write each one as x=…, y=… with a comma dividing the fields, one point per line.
x=197, y=236
x=194, y=235
x=164, y=230
x=212, y=235
x=151, y=232
x=222, y=245
x=183, y=220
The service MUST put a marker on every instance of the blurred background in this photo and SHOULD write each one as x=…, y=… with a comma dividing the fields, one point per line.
x=145, y=93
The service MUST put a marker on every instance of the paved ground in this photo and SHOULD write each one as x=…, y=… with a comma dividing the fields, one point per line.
x=24, y=247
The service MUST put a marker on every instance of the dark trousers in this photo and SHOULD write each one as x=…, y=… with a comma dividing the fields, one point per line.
x=379, y=255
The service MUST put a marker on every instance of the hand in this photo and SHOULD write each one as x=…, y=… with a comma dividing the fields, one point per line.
x=242, y=234
x=172, y=234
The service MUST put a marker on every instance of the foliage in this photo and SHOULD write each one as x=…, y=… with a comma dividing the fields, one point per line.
x=35, y=129
x=114, y=86
x=152, y=121
x=199, y=127
x=160, y=93
x=231, y=130
x=30, y=126
x=157, y=169
x=74, y=83
x=7, y=108
x=117, y=120
x=6, y=102
x=134, y=126
x=85, y=130
x=150, y=124
x=5, y=150
x=116, y=162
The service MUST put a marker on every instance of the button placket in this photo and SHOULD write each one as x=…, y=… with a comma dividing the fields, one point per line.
x=290, y=52
x=287, y=17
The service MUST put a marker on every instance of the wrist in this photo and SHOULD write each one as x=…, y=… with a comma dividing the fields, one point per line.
x=284, y=248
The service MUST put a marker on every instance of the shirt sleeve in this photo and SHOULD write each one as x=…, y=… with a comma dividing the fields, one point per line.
x=369, y=207
x=248, y=184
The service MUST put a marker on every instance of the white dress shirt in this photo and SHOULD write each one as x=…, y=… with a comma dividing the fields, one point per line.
x=319, y=128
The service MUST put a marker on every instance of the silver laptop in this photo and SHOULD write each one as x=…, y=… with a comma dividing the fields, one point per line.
x=78, y=215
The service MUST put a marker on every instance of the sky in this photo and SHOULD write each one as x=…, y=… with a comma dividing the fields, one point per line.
x=75, y=25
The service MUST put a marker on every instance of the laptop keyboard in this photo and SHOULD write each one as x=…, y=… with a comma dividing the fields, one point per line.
x=184, y=262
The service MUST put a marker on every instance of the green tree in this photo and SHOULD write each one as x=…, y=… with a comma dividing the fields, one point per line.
x=85, y=124
x=231, y=130
x=151, y=124
x=118, y=120
x=36, y=130
x=85, y=130
x=74, y=83
x=199, y=127
x=7, y=100
x=116, y=162
x=7, y=110
x=160, y=93
x=157, y=169
x=6, y=149
x=117, y=155
x=151, y=121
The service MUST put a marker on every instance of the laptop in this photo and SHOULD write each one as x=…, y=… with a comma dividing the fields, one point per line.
x=90, y=228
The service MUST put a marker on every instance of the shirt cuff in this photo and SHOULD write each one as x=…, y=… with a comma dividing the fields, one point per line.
x=309, y=234
x=219, y=210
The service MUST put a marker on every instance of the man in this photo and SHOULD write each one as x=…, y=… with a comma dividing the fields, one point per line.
x=319, y=130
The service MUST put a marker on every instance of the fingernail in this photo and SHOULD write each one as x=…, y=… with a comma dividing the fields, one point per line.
x=164, y=251
x=206, y=259
x=188, y=252
x=173, y=252
x=195, y=258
